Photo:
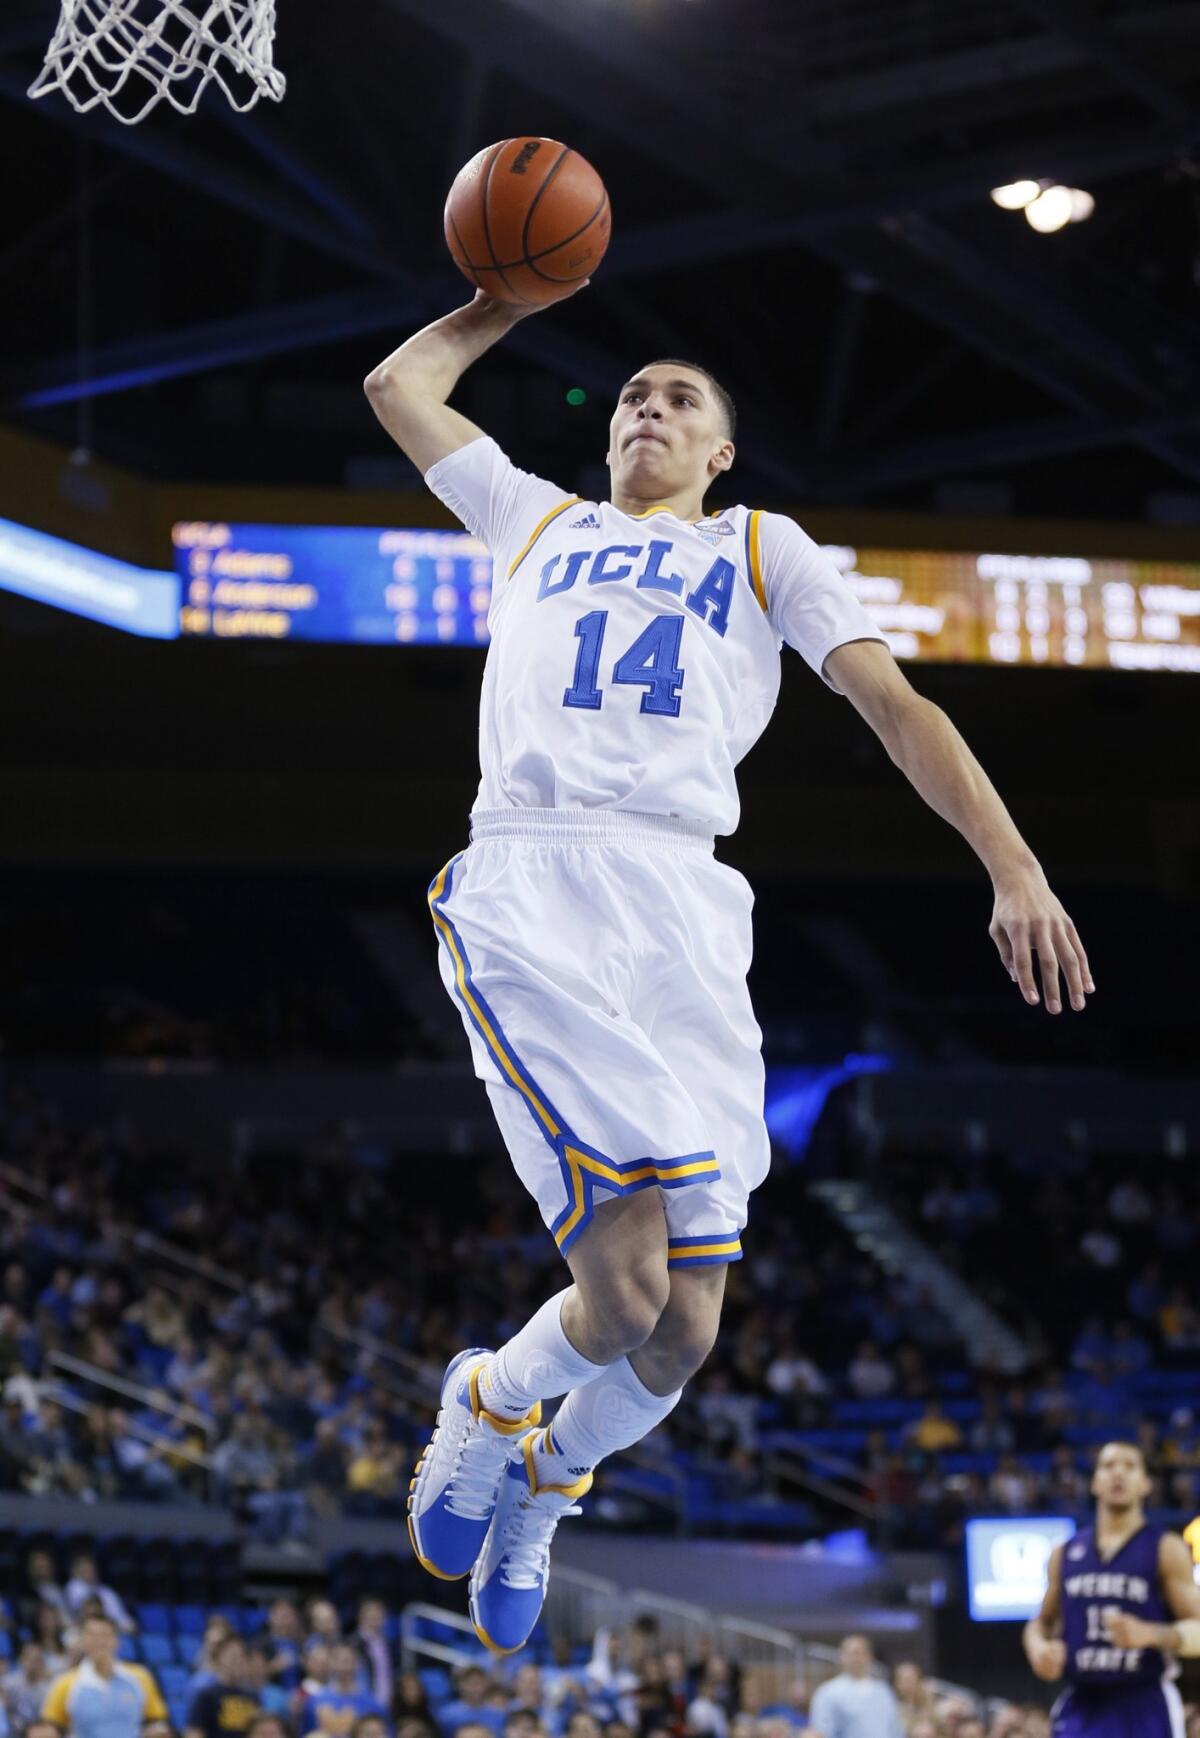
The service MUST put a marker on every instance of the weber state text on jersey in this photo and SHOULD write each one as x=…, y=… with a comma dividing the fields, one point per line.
x=634, y=658
x=1092, y=1586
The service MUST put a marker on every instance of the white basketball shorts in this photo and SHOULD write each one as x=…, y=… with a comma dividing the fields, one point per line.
x=599, y=959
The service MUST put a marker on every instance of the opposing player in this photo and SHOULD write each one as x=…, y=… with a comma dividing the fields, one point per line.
x=597, y=950
x=1120, y=1602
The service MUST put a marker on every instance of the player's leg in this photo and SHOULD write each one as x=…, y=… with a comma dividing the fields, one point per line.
x=633, y=1395
x=491, y=1400
x=619, y=1266
x=639, y=1390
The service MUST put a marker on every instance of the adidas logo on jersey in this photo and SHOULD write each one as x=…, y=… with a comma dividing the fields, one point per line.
x=589, y=522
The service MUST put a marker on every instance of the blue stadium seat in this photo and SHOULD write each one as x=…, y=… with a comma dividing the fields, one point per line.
x=155, y=1618
x=174, y=1680
x=157, y=1650
x=127, y=1648
x=190, y=1619
x=5, y=1645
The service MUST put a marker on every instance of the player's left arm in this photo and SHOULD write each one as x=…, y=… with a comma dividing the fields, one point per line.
x=1027, y=918
x=1175, y=1574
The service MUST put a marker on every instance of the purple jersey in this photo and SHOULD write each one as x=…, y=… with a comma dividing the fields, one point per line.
x=1093, y=1585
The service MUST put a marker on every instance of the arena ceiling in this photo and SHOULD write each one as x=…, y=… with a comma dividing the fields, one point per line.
x=800, y=190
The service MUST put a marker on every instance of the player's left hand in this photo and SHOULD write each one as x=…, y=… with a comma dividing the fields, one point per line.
x=1125, y=1630
x=1028, y=919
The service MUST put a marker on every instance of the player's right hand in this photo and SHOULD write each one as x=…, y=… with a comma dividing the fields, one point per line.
x=522, y=310
x=1049, y=1661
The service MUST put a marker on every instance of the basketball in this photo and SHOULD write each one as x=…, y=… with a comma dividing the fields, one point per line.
x=527, y=219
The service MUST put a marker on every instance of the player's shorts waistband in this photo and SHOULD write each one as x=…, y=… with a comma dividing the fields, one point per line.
x=591, y=827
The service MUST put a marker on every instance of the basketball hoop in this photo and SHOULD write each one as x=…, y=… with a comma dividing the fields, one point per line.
x=130, y=54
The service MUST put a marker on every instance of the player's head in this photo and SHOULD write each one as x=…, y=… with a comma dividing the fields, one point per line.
x=1120, y=1481
x=672, y=431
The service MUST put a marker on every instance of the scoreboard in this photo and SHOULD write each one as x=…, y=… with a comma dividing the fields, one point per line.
x=433, y=587
x=280, y=582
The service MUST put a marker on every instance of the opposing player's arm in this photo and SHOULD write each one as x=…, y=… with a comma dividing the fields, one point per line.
x=1027, y=917
x=1175, y=1573
x=1044, y=1649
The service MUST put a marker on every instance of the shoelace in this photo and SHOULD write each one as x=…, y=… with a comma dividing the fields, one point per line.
x=527, y=1558
x=475, y=1476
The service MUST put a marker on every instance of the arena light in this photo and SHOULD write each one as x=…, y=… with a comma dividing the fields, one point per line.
x=1082, y=205
x=1016, y=195
x=1050, y=211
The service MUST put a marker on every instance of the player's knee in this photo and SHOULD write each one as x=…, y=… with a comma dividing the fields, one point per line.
x=631, y=1306
x=691, y=1345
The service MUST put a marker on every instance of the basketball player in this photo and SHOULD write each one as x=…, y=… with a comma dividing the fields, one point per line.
x=1106, y=1621
x=596, y=948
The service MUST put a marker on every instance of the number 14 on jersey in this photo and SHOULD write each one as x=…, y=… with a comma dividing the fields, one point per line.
x=652, y=662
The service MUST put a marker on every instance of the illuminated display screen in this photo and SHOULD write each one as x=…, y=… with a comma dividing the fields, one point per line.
x=298, y=582
x=85, y=583
x=333, y=583
x=1007, y=1562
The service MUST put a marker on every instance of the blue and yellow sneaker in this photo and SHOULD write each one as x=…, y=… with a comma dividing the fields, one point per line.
x=452, y=1494
x=508, y=1583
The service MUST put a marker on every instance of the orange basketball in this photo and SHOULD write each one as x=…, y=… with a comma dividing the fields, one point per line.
x=527, y=219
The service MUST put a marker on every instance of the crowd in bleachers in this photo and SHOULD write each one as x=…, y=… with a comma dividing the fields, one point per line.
x=286, y=1376
x=84, y=1663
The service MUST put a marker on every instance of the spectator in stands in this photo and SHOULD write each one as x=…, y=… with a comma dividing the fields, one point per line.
x=374, y=1650
x=1011, y=1486
x=410, y=1699
x=85, y=1584
x=226, y=1707
x=16, y=1450
x=141, y=1467
x=709, y=1710
x=991, y=1432
x=266, y=1725
x=374, y=1726
x=324, y=1624
x=914, y=1697
x=334, y=1709
x=204, y=1666
x=468, y=1705
x=103, y=1697
x=792, y=1376
x=870, y=1374
x=933, y=1432
x=48, y=1633
x=855, y=1704
x=26, y=1686
x=324, y=1470
x=43, y=1588
x=272, y=1698
x=1066, y=1484
x=285, y=1638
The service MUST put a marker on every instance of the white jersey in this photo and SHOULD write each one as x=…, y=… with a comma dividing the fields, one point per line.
x=634, y=658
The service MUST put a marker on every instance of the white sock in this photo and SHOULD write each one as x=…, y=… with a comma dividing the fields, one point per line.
x=614, y=1412
x=537, y=1363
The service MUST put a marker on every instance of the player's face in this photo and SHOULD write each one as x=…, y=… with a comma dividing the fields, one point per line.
x=666, y=433
x=1120, y=1480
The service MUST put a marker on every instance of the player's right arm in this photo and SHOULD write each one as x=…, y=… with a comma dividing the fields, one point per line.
x=408, y=391
x=1044, y=1649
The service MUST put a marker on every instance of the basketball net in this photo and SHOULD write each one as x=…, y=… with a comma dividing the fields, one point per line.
x=130, y=54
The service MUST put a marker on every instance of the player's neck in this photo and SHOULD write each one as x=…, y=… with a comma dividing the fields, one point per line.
x=686, y=505
x=1119, y=1524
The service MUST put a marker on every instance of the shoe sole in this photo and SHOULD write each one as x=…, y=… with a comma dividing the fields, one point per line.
x=430, y=1567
